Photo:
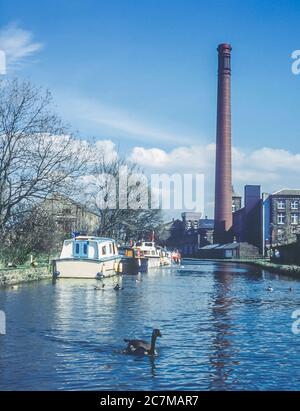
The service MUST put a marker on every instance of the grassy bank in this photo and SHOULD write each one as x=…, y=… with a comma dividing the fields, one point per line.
x=289, y=270
x=23, y=274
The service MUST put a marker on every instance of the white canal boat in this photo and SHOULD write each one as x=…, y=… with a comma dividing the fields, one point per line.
x=156, y=256
x=87, y=257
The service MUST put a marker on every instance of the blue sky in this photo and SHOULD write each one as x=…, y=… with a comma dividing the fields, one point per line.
x=143, y=74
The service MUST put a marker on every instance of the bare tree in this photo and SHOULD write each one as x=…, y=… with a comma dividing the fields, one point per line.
x=105, y=195
x=38, y=153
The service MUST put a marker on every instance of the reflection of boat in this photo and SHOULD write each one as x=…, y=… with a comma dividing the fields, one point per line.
x=87, y=257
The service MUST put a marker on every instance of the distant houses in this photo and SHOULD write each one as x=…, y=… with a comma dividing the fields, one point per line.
x=263, y=221
x=188, y=234
x=70, y=216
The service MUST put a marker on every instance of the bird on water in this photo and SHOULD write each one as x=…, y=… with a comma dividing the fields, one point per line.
x=117, y=287
x=140, y=347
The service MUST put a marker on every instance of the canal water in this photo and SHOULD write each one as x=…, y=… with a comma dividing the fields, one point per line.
x=221, y=330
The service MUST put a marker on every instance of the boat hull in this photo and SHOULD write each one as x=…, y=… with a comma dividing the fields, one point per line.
x=80, y=268
x=133, y=265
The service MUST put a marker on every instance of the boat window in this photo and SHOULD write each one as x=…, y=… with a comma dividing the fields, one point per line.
x=104, y=250
x=77, y=248
x=110, y=248
x=114, y=248
x=84, y=248
x=148, y=244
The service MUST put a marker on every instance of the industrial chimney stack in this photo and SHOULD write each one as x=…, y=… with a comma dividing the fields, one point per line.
x=223, y=182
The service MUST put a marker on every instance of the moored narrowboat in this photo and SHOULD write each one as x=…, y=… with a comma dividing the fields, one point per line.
x=87, y=257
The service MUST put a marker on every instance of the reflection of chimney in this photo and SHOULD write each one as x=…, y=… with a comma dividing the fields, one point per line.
x=223, y=183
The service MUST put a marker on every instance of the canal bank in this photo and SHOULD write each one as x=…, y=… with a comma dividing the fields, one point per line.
x=12, y=276
x=288, y=270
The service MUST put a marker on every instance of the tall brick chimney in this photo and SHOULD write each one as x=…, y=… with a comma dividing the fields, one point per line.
x=223, y=182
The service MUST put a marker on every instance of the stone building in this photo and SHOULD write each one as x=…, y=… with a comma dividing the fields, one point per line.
x=192, y=232
x=190, y=220
x=71, y=216
x=269, y=220
x=188, y=234
x=283, y=216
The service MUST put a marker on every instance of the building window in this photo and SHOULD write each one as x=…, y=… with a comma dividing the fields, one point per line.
x=281, y=205
x=295, y=205
x=195, y=225
x=280, y=218
x=294, y=219
x=294, y=229
x=233, y=207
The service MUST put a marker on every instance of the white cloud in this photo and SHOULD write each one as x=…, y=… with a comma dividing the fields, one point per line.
x=18, y=44
x=271, y=168
x=193, y=158
x=107, y=149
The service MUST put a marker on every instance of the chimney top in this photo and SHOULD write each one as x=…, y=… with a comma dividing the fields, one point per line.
x=224, y=47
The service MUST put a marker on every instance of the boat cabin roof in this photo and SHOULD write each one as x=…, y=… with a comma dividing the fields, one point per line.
x=91, y=238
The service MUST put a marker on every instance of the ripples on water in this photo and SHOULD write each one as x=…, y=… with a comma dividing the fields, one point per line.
x=221, y=331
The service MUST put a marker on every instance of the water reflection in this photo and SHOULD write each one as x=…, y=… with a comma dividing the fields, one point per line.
x=221, y=330
x=222, y=349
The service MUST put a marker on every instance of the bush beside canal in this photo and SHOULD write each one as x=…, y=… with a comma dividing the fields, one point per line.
x=11, y=276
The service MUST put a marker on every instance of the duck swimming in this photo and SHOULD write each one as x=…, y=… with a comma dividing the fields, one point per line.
x=140, y=347
x=117, y=287
x=269, y=289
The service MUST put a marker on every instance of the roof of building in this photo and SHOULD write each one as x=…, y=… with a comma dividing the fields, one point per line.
x=235, y=194
x=228, y=246
x=287, y=192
